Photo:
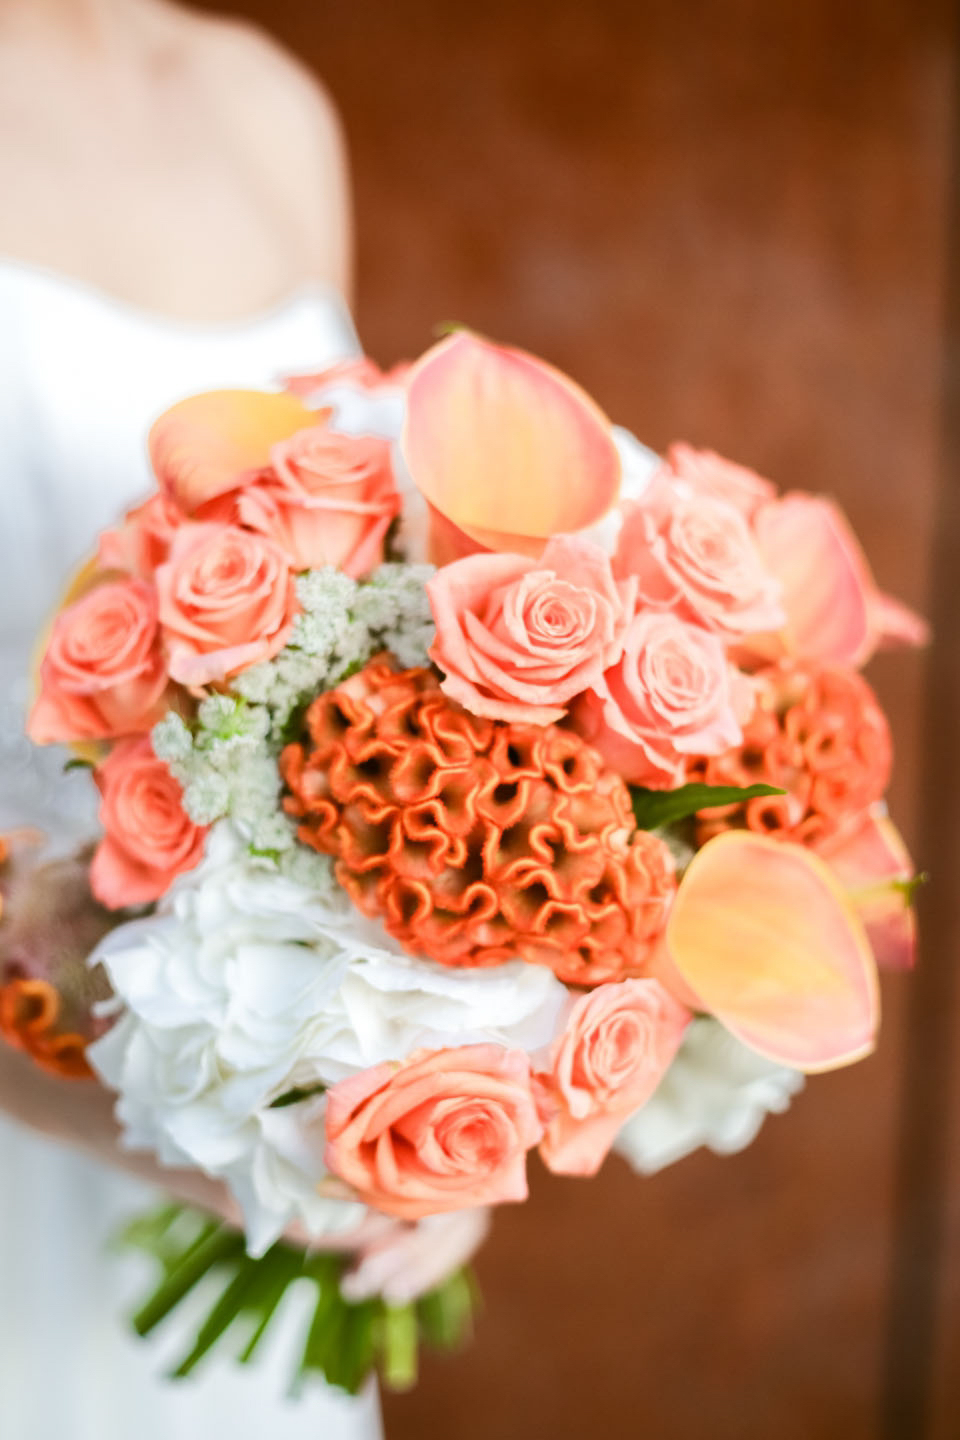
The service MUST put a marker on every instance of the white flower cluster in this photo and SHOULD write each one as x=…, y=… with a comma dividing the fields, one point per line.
x=245, y=987
x=716, y=1093
x=226, y=760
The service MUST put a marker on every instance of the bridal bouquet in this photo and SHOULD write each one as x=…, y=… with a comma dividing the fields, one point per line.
x=472, y=782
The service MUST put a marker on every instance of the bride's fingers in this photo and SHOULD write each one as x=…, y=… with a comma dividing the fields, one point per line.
x=416, y=1258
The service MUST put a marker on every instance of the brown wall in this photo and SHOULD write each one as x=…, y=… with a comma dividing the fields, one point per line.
x=727, y=219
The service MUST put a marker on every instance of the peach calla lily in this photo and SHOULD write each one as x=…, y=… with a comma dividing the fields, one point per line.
x=764, y=935
x=207, y=444
x=835, y=613
x=874, y=867
x=505, y=448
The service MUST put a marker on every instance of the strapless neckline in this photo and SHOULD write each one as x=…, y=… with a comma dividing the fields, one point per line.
x=306, y=293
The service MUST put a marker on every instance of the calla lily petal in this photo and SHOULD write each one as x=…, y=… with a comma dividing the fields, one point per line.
x=835, y=613
x=764, y=935
x=807, y=544
x=206, y=444
x=504, y=445
x=874, y=867
x=896, y=624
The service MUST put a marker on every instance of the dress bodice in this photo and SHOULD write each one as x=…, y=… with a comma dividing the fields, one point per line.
x=82, y=376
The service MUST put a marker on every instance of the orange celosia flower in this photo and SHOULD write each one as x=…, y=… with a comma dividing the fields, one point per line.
x=29, y=1014
x=476, y=841
x=818, y=734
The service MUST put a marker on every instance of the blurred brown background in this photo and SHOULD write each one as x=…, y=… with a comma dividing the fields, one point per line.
x=729, y=221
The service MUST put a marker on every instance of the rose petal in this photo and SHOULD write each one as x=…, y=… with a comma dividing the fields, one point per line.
x=502, y=444
x=763, y=933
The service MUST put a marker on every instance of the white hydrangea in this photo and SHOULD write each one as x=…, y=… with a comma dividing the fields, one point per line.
x=716, y=1093
x=246, y=985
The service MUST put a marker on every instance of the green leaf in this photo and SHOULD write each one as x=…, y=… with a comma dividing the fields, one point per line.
x=344, y=1342
x=296, y=1095
x=655, y=808
x=215, y=1244
x=271, y=1285
x=230, y=1304
x=77, y=764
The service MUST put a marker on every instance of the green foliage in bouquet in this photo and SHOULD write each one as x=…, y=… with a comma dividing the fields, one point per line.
x=653, y=809
x=345, y=1341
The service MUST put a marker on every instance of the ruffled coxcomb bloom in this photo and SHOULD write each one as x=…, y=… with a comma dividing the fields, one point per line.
x=476, y=842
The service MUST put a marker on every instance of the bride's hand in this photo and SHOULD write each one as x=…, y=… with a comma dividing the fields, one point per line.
x=50, y=923
x=393, y=1258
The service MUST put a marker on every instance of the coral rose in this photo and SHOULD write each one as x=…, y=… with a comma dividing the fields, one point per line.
x=446, y=1130
x=103, y=672
x=518, y=639
x=673, y=694
x=148, y=837
x=705, y=473
x=695, y=554
x=617, y=1045
x=142, y=541
x=227, y=601
x=329, y=499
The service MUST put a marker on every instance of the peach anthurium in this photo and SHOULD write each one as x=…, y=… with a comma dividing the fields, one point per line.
x=206, y=444
x=874, y=866
x=765, y=937
x=835, y=612
x=505, y=447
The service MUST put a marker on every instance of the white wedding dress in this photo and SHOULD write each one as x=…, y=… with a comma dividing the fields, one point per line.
x=81, y=378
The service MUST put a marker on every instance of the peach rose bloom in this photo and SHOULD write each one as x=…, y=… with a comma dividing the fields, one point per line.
x=695, y=554
x=143, y=540
x=227, y=601
x=329, y=499
x=445, y=1130
x=618, y=1043
x=148, y=838
x=518, y=639
x=103, y=672
x=672, y=694
x=704, y=472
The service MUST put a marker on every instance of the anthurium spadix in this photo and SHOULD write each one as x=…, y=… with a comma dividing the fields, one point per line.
x=504, y=447
x=206, y=444
x=766, y=938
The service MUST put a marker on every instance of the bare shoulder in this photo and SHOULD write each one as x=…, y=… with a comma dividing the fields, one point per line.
x=252, y=72
x=287, y=124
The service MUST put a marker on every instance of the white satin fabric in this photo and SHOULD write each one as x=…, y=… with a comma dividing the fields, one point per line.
x=81, y=378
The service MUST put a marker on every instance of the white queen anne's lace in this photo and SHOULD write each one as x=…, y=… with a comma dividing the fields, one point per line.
x=226, y=760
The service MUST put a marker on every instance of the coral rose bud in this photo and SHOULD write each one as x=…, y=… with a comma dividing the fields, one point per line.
x=329, y=499
x=227, y=601
x=519, y=639
x=705, y=473
x=695, y=554
x=148, y=837
x=618, y=1043
x=673, y=694
x=103, y=673
x=445, y=1130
